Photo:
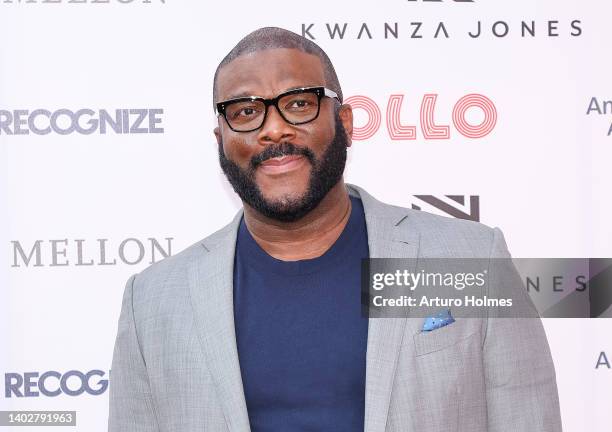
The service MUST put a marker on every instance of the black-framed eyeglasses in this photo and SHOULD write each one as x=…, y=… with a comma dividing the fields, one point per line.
x=297, y=106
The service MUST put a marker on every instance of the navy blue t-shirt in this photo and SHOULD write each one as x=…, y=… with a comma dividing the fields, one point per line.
x=300, y=334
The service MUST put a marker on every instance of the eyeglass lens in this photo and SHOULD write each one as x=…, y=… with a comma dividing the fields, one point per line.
x=295, y=108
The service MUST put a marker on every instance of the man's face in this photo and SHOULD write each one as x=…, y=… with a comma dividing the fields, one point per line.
x=282, y=170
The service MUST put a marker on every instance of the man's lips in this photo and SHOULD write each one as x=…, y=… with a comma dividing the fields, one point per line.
x=282, y=164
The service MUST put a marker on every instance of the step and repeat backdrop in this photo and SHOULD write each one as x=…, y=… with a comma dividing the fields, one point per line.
x=499, y=112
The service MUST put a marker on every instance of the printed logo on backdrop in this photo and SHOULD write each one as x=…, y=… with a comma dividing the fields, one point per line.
x=414, y=29
x=602, y=108
x=603, y=361
x=83, y=121
x=89, y=252
x=465, y=118
x=457, y=206
x=54, y=383
x=85, y=1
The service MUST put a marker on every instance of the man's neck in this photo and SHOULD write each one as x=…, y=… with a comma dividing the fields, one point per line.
x=309, y=237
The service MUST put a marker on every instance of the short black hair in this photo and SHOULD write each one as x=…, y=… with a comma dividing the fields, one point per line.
x=275, y=37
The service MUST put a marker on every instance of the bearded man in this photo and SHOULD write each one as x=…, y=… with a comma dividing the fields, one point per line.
x=259, y=326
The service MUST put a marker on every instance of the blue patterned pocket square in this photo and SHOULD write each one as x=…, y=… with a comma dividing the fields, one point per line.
x=438, y=320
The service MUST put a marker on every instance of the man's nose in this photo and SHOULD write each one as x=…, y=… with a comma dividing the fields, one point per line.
x=275, y=129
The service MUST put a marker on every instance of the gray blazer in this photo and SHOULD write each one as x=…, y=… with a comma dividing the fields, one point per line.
x=175, y=363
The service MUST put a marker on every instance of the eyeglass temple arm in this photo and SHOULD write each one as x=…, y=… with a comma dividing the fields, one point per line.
x=330, y=93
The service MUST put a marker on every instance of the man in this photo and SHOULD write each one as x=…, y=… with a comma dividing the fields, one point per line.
x=259, y=327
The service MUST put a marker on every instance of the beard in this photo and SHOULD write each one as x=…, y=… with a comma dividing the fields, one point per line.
x=325, y=173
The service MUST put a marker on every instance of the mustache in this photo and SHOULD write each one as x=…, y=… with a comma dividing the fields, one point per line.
x=282, y=149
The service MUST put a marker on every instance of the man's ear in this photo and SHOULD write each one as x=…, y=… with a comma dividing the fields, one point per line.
x=346, y=117
x=217, y=133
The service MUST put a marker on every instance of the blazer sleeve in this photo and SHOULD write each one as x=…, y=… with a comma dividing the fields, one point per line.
x=131, y=407
x=521, y=388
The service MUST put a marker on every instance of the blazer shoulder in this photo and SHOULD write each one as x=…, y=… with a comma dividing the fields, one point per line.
x=171, y=275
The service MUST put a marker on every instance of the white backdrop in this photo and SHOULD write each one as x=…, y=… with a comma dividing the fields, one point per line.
x=80, y=201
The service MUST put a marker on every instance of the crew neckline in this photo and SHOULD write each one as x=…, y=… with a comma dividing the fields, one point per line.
x=255, y=257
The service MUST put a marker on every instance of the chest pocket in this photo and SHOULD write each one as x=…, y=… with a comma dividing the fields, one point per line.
x=444, y=337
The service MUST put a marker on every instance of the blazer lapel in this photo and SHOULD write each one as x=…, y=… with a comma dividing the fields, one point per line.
x=211, y=290
x=385, y=240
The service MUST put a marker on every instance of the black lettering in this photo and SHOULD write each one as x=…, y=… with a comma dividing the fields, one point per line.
x=526, y=29
x=577, y=30
x=364, y=26
x=535, y=286
x=336, y=30
x=441, y=27
x=602, y=360
x=388, y=30
x=593, y=106
x=306, y=31
x=505, y=30
x=581, y=281
x=552, y=28
x=477, y=33
x=417, y=26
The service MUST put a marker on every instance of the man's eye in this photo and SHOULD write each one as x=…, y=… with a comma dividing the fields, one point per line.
x=298, y=104
x=244, y=112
